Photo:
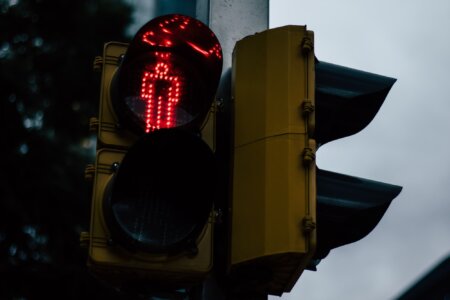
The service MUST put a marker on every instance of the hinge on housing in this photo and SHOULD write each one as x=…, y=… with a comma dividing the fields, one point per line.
x=307, y=107
x=85, y=239
x=308, y=156
x=93, y=124
x=98, y=63
x=308, y=224
x=89, y=172
x=307, y=45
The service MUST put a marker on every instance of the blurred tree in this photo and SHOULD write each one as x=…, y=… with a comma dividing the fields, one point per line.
x=48, y=92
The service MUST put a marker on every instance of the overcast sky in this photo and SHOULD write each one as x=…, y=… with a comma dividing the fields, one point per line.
x=408, y=142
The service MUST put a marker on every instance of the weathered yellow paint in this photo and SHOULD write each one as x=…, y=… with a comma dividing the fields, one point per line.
x=273, y=188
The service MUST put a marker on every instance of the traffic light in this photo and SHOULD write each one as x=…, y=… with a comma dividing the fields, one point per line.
x=155, y=172
x=286, y=213
x=274, y=190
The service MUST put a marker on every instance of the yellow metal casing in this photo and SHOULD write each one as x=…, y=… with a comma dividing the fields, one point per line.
x=274, y=189
x=109, y=132
x=107, y=259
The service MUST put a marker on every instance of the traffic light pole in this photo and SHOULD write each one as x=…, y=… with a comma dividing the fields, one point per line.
x=231, y=21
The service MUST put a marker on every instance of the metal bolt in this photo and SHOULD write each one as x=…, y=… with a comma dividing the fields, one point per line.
x=115, y=166
x=220, y=104
x=120, y=59
x=218, y=216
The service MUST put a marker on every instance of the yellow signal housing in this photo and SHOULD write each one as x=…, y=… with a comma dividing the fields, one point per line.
x=274, y=184
x=107, y=259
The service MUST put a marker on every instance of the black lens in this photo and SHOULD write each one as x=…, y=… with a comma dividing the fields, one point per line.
x=162, y=195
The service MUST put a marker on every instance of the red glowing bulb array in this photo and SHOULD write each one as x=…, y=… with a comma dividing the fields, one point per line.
x=169, y=75
x=164, y=35
x=161, y=90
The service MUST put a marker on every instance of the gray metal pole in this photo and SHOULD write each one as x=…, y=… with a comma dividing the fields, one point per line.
x=230, y=20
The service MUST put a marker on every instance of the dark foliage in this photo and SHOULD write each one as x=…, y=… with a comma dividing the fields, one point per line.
x=48, y=92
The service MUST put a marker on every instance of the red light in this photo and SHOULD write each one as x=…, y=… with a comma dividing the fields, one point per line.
x=146, y=39
x=169, y=75
x=172, y=28
x=161, y=91
x=197, y=48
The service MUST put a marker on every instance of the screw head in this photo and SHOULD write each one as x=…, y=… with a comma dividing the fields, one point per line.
x=115, y=166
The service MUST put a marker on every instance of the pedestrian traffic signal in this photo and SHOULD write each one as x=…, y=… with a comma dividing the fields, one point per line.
x=169, y=76
x=155, y=172
x=153, y=208
x=286, y=213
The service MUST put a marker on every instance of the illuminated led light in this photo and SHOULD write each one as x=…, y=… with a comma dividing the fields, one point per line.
x=198, y=49
x=162, y=64
x=214, y=50
x=160, y=111
x=172, y=27
x=145, y=38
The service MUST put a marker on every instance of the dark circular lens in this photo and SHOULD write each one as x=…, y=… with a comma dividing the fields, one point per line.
x=169, y=75
x=162, y=195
